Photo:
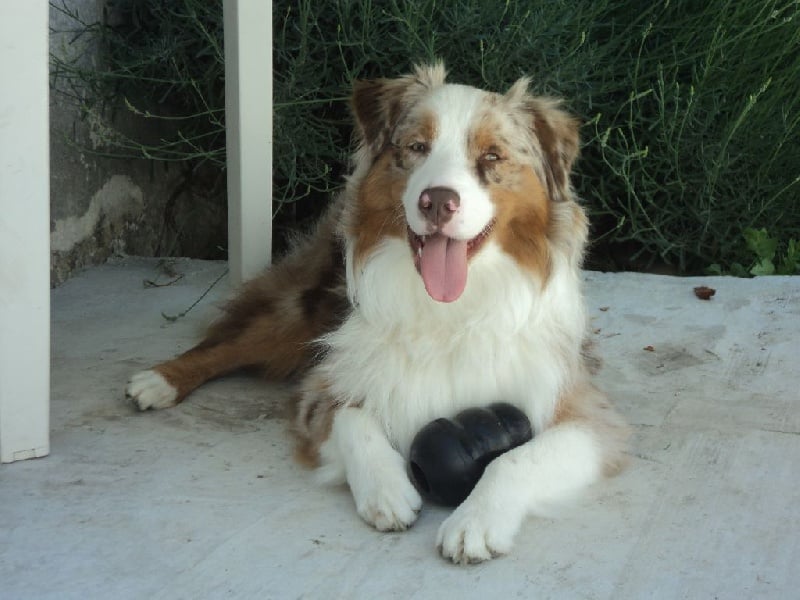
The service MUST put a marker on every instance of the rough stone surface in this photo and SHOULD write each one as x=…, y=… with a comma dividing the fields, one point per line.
x=204, y=501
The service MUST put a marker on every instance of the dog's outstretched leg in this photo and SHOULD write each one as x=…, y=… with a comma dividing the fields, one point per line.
x=278, y=346
x=271, y=325
x=586, y=441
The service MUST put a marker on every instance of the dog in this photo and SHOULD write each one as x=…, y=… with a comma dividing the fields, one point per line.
x=446, y=275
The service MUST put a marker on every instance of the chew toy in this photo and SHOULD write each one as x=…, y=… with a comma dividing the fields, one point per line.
x=448, y=456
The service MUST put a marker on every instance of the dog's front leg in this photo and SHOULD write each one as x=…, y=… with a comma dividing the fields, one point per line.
x=358, y=449
x=549, y=469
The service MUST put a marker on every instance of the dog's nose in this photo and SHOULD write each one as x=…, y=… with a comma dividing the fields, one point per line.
x=439, y=204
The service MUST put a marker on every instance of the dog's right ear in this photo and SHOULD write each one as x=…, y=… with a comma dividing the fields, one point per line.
x=379, y=104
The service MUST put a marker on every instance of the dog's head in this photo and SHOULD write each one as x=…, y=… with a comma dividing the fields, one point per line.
x=452, y=167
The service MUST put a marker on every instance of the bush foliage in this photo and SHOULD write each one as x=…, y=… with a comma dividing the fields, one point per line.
x=691, y=109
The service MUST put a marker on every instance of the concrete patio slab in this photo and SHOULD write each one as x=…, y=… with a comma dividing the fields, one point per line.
x=204, y=501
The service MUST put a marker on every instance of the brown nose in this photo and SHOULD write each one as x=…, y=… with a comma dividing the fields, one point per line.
x=439, y=204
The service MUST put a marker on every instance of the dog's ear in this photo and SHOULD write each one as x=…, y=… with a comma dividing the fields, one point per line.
x=379, y=104
x=555, y=132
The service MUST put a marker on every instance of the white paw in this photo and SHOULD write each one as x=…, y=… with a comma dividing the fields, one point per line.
x=149, y=389
x=376, y=473
x=474, y=533
x=387, y=500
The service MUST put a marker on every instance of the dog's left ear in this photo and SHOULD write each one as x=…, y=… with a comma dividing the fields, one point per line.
x=556, y=133
x=379, y=104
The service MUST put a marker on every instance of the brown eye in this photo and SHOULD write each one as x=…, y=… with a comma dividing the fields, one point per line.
x=418, y=148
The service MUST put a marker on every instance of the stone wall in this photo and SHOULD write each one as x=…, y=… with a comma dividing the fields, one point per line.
x=102, y=206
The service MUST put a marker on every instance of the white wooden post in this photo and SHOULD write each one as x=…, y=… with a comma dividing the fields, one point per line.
x=24, y=231
x=248, y=109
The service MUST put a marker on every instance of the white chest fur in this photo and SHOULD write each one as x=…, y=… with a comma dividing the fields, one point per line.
x=408, y=359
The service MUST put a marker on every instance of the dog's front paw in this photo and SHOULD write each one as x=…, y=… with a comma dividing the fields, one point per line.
x=475, y=533
x=149, y=389
x=387, y=500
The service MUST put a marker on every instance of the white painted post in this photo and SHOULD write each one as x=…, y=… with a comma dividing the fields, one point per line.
x=24, y=231
x=248, y=109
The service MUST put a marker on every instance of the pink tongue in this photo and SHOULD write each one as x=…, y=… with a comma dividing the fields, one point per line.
x=443, y=266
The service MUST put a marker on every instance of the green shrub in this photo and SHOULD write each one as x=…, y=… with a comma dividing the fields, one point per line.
x=165, y=61
x=706, y=142
x=766, y=259
x=691, y=109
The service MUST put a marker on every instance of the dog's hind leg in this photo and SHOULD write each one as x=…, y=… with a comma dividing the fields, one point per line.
x=276, y=343
x=270, y=325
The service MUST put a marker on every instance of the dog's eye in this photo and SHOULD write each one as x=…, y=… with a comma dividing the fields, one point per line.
x=490, y=157
x=418, y=148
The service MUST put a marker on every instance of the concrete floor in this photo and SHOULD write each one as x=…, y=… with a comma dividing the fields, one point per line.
x=203, y=501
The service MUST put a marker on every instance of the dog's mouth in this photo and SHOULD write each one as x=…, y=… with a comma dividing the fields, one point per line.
x=442, y=261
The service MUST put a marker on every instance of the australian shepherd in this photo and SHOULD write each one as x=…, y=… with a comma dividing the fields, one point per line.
x=446, y=275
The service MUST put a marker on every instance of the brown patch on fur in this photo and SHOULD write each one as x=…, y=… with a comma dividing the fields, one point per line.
x=312, y=420
x=273, y=321
x=587, y=405
x=484, y=138
x=523, y=215
x=569, y=230
x=428, y=127
x=535, y=206
x=424, y=130
x=379, y=104
x=378, y=212
x=328, y=289
x=376, y=103
x=557, y=133
x=482, y=141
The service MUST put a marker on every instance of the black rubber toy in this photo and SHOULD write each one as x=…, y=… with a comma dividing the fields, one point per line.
x=448, y=457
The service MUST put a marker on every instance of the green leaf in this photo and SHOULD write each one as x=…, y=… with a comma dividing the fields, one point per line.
x=738, y=270
x=793, y=251
x=759, y=242
x=791, y=262
x=763, y=267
